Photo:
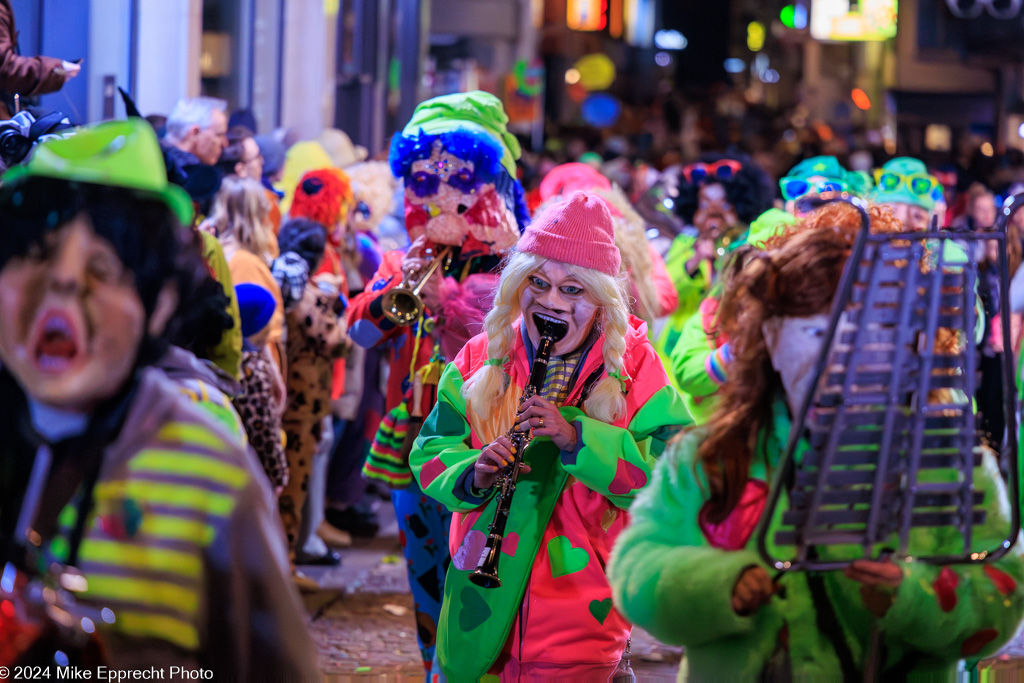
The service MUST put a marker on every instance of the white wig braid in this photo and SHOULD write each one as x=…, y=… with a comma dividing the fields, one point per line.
x=606, y=402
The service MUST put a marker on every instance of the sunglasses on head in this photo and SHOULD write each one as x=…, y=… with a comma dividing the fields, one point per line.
x=920, y=184
x=425, y=184
x=724, y=169
x=794, y=188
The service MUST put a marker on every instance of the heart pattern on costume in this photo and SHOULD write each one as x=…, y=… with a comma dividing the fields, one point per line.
x=628, y=477
x=600, y=609
x=467, y=557
x=474, y=610
x=431, y=471
x=565, y=559
x=510, y=544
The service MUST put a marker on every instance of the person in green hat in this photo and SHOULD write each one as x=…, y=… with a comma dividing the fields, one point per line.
x=105, y=467
x=688, y=570
x=815, y=176
x=700, y=358
x=458, y=162
x=904, y=185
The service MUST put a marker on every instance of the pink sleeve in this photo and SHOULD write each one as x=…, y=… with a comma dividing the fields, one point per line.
x=668, y=297
x=464, y=308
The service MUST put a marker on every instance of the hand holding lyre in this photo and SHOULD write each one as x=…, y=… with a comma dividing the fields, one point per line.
x=544, y=418
x=753, y=589
x=875, y=573
x=493, y=458
x=879, y=581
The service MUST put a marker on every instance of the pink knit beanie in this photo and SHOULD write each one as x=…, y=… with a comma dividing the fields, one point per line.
x=578, y=231
x=567, y=178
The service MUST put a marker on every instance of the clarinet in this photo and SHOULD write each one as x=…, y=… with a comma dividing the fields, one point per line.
x=486, y=574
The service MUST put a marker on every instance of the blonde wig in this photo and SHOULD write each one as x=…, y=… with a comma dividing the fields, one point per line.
x=487, y=386
x=631, y=239
x=373, y=184
x=241, y=210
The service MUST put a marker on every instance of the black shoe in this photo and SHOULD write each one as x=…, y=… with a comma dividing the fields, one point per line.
x=331, y=559
x=379, y=490
x=359, y=523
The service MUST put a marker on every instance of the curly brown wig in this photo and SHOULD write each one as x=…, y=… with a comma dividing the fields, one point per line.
x=796, y=276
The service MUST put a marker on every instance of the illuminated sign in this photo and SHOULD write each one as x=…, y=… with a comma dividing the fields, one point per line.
x=755, y=36
x=639, y=18
x=860, y=99
x=794, y=16
x=839, y=20
x=616, y=19
x=594, y=72
x=586, y=15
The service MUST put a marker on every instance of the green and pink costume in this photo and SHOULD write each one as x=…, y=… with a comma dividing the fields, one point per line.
x=553, y=612
x=674, y=575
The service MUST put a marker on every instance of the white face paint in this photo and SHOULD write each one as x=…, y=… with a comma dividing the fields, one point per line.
x=794, y=345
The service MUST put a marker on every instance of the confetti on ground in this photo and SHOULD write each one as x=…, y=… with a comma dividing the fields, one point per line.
x=396, y=610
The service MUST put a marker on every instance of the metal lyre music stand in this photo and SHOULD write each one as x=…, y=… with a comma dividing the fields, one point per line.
x=886, y=442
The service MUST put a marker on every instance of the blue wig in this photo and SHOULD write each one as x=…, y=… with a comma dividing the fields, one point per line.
x=468, y=145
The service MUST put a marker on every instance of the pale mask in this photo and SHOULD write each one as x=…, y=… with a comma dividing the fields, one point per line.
x=73, y=319
x=794, y=345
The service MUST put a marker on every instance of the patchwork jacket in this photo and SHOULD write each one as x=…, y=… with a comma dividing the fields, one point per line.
x=554, y=605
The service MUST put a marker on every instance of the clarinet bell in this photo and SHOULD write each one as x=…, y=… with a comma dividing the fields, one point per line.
x=481, y=577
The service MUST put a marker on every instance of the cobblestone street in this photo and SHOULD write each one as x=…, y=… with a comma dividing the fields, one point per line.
x=363, y=619
x=364, y=629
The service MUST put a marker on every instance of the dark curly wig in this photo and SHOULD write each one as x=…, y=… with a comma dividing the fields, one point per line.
x=750, y=191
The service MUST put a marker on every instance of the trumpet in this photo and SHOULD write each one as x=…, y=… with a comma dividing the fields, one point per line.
x=402, y=305
x=486, y=574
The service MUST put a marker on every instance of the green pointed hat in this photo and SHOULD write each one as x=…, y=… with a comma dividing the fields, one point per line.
x=478, y=111
x=117, y=154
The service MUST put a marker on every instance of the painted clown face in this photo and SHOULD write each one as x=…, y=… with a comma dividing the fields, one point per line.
x=553, y=292
x=73, y=319
x=715, y=215
x=447, y=199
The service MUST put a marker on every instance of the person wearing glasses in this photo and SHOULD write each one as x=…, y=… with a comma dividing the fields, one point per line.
x=816, y=176
x=464, y=210
x=719, y=197
x=905, y=186
x=701, y=356
x=687, y=568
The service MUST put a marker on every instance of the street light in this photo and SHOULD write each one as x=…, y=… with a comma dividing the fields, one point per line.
x=734, y=65
x=860, y=99
x=669, y=39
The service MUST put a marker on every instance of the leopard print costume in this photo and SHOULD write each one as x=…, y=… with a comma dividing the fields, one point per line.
x=316, y=337
x=261, y=419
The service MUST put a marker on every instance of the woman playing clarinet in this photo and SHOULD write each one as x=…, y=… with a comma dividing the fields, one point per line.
x=596, y=417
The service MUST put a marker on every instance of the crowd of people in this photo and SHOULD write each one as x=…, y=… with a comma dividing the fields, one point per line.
x=219, y=350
